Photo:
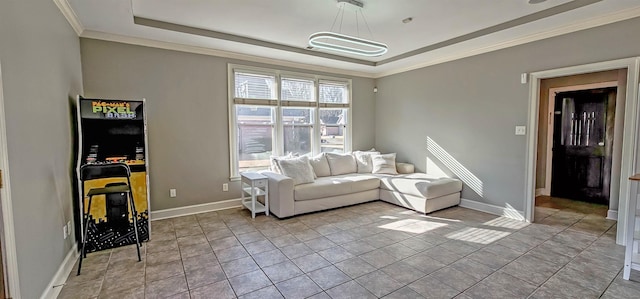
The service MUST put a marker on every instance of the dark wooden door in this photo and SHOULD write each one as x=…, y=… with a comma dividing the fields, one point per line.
x=582, y=144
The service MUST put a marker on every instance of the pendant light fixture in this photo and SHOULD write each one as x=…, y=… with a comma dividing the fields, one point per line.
x=334, y=41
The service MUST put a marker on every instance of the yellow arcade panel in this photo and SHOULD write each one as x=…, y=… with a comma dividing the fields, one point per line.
x=98, y=206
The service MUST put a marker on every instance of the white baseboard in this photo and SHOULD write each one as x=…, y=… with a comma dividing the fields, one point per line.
x=539, y=191
x=195, y=209
x=491, y=209
x=55, y=285
x=612, y=215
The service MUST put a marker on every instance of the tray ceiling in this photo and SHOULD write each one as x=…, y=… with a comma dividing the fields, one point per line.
x=278, y=30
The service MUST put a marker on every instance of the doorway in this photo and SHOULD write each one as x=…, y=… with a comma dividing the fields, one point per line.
x=582, y=145
x=577, y=110
x=626, y=116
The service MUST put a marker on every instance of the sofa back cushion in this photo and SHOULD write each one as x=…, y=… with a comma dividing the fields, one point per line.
x=384, y=163
x=363, y=160
x=320, y=165
x=341, y=163
x=298, y=169
x=273, y=162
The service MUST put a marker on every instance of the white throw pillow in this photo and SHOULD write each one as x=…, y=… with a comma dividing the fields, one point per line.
x=298, y=169
x=384, y=163
x=273, y=162
x=363, y=160
x=320, y=165
x=341, y=163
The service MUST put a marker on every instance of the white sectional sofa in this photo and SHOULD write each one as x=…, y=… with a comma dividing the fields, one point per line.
x=347, y=183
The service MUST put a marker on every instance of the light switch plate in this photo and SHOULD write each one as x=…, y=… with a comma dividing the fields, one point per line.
x=521, y=130
x=172, y=192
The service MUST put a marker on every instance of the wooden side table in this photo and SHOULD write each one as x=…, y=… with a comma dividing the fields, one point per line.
x=254, y=185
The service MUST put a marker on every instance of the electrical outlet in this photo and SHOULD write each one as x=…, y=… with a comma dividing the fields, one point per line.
x=172, y=192
x=225, y=187
x=65, y=231
x=521, y=130
x=68, y=228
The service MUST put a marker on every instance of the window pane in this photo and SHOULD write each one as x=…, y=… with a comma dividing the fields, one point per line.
x=255, y=137
x=332, y=130
x=297, y=90
x=333, y=93
x=255, y=86
x=297, y=129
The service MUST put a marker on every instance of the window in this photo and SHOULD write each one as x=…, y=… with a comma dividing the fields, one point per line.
x=254, y=127
x=255, y=86
x=333, y=126
x=334, y=103
x=298, y=90
x=334, y=92
x=297, y=130
x=273, y=113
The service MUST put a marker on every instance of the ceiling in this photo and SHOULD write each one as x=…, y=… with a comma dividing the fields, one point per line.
x=277, y=31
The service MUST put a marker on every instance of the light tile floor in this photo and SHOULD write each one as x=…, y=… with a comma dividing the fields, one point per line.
x=372, y=250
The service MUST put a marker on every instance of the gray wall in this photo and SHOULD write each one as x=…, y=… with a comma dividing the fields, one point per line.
x=470, y=107
x=187, y=114
x=40, y=60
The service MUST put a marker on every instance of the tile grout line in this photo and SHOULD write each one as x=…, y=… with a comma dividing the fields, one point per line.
x=610, y=283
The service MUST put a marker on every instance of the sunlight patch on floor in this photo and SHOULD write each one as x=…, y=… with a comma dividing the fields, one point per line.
x=506, y=223
x=413, y=226
x=478, y=235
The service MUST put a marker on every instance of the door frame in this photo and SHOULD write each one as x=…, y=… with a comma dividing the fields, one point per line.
x=629, y=146
x=12, y=284
x=552, y=94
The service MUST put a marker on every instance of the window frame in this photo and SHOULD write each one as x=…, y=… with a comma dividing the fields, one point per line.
x=278, y=104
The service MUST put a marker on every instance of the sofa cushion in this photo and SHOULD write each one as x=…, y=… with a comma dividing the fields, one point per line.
x=341, y=163
x=298, y=169
x=320, y=165
x=420, y=184
x=405, y=168
x=384, y=163
x=273, y=162
x=363, y=160
x=336, y=185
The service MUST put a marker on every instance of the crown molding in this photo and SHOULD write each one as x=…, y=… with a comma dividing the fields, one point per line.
x=70, y=15
x=213, y=52
x=582, y=25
